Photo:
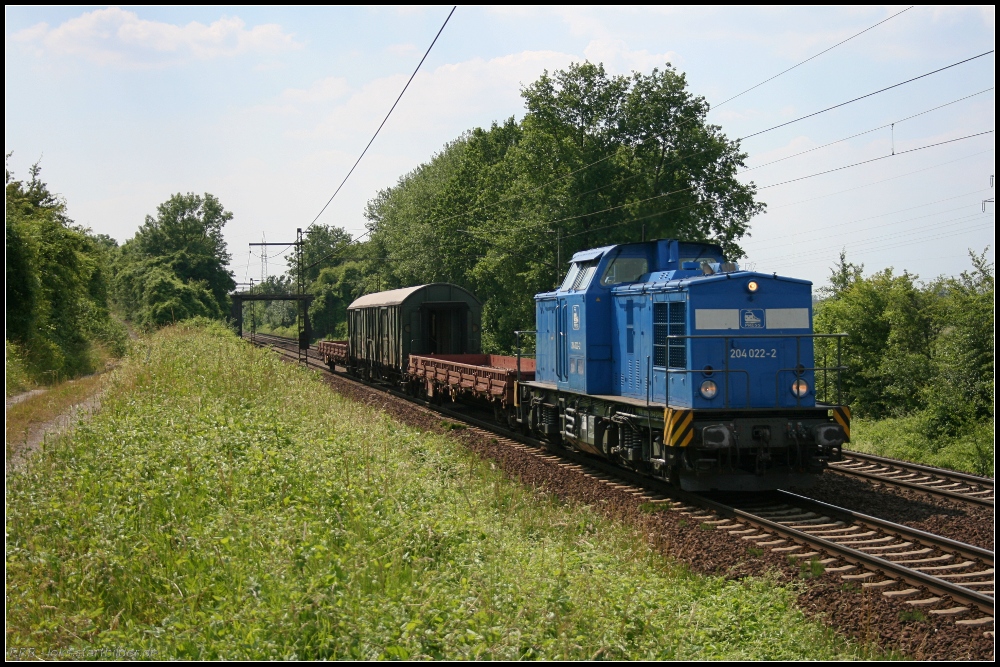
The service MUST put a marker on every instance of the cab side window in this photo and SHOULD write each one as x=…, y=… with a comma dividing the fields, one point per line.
x=587, y=270
x=574, y=271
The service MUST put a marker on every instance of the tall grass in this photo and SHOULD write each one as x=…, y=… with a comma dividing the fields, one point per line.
x=906, y=438
x=227, y=505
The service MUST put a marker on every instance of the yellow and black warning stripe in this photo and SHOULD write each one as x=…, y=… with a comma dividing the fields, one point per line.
x=842, y=415
x=678, y=427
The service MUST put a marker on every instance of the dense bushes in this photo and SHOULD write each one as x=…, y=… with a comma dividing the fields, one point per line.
x=62, y=280
x=918, y=355
x=57, y=287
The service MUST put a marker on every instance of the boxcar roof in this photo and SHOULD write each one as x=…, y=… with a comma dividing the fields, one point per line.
x=396, y=297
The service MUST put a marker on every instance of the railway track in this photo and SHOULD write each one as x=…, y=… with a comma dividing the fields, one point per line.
x=935, y=481
x=936, y=575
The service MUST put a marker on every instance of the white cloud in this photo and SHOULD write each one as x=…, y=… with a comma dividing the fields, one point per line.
x=120, y=38
x=987, y=13
x=618, y=58
x=323, y=90
x=299, y=101
x=437, y=102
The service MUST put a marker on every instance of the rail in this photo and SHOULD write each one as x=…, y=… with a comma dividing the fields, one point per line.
x=934, y=481
x=874, y=563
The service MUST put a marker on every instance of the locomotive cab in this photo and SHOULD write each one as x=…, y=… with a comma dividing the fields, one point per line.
x=667, y=357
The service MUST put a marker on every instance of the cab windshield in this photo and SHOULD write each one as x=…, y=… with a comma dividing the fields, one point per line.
x=574, y=271
x=624, y=269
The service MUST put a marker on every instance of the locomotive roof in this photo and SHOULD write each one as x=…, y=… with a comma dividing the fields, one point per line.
x=395, y=297
x=593, y=253
x=658, y=280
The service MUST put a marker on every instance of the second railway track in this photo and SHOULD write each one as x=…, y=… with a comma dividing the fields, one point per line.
x=935, y=481
x=934, y=574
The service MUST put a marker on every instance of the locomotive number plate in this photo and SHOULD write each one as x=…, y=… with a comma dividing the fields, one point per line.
x=753, y=353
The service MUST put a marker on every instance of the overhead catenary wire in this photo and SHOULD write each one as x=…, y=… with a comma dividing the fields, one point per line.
x=876, y=159
x=878, y=182
x=679, y=208
x=660, y=135
x=874, y=129
x=866, y=96
x=467, y=256
x=788, y=157
x=817, y=147
x=828, y=171
x=546, y=223
x=836, y=106
x=687, y=206
x=810, y=150
x=799, y=64
x=382, y=124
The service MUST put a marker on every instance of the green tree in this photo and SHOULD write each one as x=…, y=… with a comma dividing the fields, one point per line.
x=175, y=265
x=335, y=289
x=596, y=160
x=962, y=390
x=323, y=246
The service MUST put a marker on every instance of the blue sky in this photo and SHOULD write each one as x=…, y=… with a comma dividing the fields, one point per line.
x=267, y=108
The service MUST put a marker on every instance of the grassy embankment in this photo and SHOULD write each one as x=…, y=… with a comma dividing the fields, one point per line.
x=226, y=504
x=906, y=438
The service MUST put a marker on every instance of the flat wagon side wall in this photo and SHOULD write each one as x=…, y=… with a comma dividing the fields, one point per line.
x=333, y=352
x=487, y=376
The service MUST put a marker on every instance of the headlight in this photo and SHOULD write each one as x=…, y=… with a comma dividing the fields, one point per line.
x=752, y=286
x=709, y=389
x=800, y=388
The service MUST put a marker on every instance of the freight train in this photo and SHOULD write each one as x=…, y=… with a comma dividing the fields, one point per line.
x=661, y=356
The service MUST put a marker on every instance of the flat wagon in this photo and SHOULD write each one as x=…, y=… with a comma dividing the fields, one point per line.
x=489, y=376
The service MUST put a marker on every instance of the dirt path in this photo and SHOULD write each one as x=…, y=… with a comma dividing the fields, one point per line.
x=20, y=449
x=14, y=400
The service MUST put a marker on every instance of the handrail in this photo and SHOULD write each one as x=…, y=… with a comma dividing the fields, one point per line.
x=798, y=369
x=517, y=383
x=724, y=371
x=517, y=343
x=745, y=336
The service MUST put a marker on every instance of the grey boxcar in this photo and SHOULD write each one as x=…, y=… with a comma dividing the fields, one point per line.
x=384, y=328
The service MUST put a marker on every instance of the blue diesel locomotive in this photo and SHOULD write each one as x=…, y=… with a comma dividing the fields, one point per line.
x=667, y=358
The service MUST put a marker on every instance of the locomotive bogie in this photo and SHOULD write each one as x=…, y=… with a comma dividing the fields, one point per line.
x=699, y=450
